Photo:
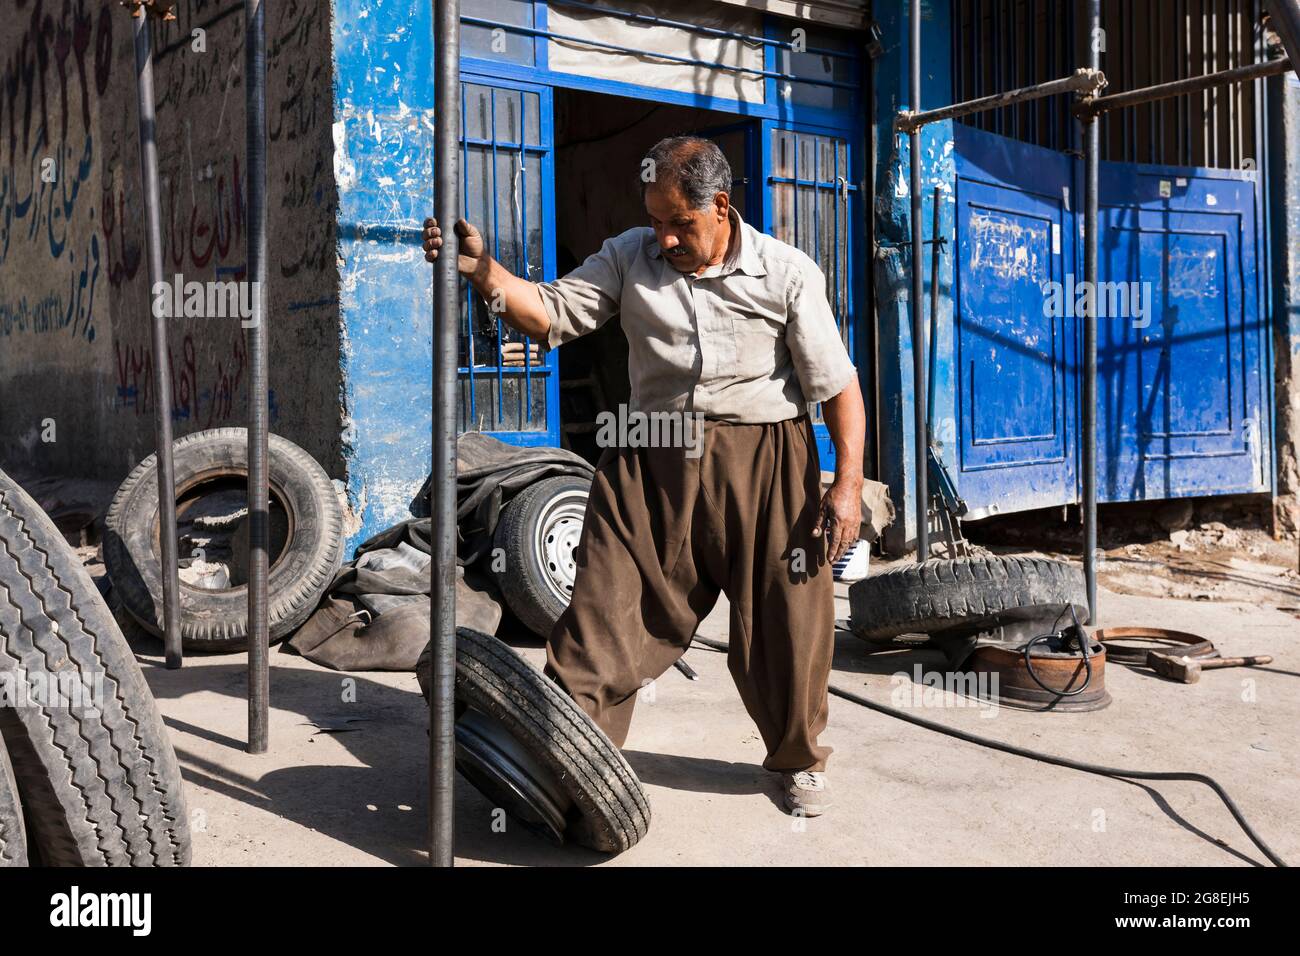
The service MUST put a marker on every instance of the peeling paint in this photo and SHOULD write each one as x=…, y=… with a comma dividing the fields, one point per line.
x=345, y=173
x=1004, y=248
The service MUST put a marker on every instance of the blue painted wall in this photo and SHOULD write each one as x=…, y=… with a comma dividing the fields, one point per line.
x=893, y=229
x=383, y=155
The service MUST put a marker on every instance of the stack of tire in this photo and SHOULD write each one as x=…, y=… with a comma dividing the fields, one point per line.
x=215, y=620
x=84, y=780
x=538, y=534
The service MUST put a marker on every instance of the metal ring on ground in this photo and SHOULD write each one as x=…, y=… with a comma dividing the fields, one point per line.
x=1180, y=643
x=1061, y=671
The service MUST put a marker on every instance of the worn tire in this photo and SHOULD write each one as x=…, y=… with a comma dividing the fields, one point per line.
x=100, y=785
x=941, y=594
x=217, y=620
x=613, y=812
x=525, y=581
x=13, y=836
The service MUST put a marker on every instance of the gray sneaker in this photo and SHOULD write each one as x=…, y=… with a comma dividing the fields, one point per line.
x=806, y=793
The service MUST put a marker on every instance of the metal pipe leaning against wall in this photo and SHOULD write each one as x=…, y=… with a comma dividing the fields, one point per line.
x=158, y=327
x=920, y=441
x=1091, y=180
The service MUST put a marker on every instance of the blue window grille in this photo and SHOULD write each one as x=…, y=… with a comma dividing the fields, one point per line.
x=811, y=202
x=507, y=381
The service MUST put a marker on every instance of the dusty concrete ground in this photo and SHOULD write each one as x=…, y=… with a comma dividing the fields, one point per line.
x=344, y=783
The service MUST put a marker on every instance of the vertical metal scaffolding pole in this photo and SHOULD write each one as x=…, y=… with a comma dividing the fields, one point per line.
x=917, y=299
x=259, y=675
x=442, y=507
x=1092, y=162
x=162, y=373
x=932, y=345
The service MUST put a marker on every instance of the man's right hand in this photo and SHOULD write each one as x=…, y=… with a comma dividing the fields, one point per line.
x=471, y=258
x=514, y=300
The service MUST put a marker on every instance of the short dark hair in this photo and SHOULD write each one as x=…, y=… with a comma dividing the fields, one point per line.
x=693, y=164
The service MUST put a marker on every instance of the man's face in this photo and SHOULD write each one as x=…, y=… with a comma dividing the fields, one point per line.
x=687, y=236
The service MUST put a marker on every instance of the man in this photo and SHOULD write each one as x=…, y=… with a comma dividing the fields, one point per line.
x=731, y=325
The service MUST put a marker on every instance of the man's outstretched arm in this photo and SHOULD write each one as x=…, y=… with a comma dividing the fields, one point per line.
x=517, y=301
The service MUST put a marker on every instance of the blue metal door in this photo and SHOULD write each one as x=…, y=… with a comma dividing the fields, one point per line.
x=1181, y=339
x=1014, y=348
x=509, y=384
x=1179, y=383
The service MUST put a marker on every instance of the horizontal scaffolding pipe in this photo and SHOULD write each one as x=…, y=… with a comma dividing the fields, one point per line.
x=1081, y=81
x=1096, y=105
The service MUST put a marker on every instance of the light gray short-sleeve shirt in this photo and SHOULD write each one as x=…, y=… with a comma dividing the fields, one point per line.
x=751, y=340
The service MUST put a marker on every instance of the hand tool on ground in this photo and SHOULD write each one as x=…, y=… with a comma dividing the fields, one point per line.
x=1188, y=671
x=686, y=669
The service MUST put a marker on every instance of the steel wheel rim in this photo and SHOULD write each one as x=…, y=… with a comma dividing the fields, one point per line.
x=490, y=757
x=559, y=530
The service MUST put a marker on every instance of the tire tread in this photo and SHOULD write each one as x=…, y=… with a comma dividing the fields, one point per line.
x=944, y=593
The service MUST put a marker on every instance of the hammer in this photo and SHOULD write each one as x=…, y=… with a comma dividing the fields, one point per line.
x=1187, y=670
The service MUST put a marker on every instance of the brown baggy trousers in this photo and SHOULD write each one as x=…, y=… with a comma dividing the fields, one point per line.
x=663, y=534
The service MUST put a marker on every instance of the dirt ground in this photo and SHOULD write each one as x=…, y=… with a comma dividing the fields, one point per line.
x=345, y=781
x=1189, y=549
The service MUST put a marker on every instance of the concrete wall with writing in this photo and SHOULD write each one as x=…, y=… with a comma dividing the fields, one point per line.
x=76, y=390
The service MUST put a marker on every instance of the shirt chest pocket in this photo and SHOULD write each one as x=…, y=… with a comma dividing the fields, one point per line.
x=758, y=336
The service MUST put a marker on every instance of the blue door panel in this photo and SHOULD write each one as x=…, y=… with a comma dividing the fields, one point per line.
x=1179, y=382
x=1181, y=395
x=1015, y=442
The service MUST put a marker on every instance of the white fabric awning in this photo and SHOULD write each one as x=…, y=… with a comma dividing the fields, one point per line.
x=725, y=65
x=647, y=69
x=834, y=13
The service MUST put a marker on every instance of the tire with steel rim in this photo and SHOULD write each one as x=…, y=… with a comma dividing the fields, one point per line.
x=525, y=744
x=216, y=619
x=538, y=533
x=98, y=778
x=942, y=595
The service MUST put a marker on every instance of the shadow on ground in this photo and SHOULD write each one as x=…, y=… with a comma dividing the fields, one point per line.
x=380, y=804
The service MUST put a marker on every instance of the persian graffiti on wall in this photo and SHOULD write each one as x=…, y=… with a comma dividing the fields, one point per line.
x=74, y=289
